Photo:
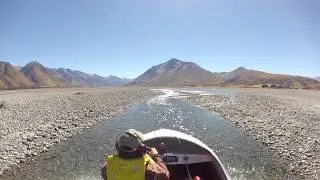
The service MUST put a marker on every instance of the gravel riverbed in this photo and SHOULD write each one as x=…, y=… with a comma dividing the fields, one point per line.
x=31, y=121
x=286, y=121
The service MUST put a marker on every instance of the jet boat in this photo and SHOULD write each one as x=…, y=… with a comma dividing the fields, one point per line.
x=185, y=156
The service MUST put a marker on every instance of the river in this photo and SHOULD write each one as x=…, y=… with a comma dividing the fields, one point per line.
x=81, y=156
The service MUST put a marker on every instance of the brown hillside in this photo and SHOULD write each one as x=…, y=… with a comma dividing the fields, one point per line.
x=242, y=76
x=11, y=78
x=41, y=76
x=175, y=72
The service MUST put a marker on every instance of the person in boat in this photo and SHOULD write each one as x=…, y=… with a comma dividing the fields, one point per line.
x=134, y=161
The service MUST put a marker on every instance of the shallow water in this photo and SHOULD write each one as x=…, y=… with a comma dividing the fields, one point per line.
x=81, y=156
x=207, y=91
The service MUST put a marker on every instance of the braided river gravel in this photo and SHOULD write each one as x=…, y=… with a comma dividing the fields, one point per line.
x=81, y=156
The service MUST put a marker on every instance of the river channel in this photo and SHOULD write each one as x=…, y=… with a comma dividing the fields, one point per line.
x=81, y=156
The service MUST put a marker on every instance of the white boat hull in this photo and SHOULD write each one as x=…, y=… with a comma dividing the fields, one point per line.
x=181, y=149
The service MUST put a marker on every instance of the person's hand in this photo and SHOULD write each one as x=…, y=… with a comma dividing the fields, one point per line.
x=153, y=152
x=104, y=171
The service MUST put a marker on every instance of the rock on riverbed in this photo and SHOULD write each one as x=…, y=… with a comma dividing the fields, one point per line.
x=290, y=127
x=31, y=121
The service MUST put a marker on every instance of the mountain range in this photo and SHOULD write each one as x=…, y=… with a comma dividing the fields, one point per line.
x=35, y=75
x=176, y=73
x=317, y=78
x=171, y=73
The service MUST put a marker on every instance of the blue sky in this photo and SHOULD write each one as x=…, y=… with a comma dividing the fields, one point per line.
x=126, y=37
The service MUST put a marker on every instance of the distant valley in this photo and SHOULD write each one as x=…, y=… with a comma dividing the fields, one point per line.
x=174, y=72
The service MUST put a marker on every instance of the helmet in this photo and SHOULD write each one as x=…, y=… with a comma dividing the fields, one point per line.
x=128, y=144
